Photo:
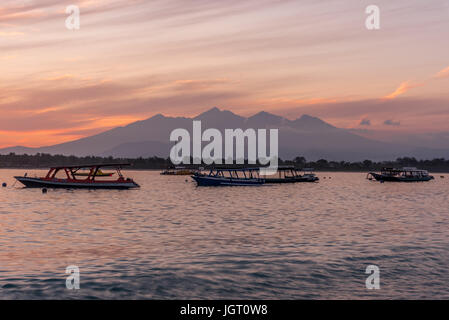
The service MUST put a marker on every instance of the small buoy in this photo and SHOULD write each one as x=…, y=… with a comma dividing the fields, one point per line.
x=442, y=177
x=187, y=180
x=330, y=177
x=44, y=190
x=4, y=184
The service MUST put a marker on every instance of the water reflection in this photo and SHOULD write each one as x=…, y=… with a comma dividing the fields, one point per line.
x=171, y=239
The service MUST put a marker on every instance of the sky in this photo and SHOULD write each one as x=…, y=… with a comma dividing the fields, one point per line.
x=132, y=59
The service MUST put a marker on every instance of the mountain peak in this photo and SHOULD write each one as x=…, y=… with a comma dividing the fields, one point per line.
x=158, y=116
x=309, y=122
x=265, y=118
x=216, y=112
x=264, y=114
x=212, y=111
x=306, y=117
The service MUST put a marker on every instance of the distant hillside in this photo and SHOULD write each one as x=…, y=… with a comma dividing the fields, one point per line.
x=306, y=136
x=44, y=161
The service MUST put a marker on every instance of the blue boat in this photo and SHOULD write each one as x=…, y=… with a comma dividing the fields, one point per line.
x=289, y=174
x=307, y=176
x=229, y=177
x=408, y=174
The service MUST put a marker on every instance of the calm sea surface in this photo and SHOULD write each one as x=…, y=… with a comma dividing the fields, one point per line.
x=171, y=239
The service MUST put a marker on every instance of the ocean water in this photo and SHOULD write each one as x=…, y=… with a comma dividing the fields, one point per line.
x=173, y=240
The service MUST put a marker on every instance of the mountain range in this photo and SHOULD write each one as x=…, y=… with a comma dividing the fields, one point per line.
x=306, y=136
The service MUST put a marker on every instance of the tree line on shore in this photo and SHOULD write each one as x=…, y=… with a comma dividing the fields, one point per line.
x=46, y=160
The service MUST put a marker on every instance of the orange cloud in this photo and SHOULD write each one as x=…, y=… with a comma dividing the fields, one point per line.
x=296, y=102
x=11, y=34
x=199, y=84
x=9, y=57
x=403, y=88
x=15, y=15
x=34, y=139
x=443, y=73
x=60, y=77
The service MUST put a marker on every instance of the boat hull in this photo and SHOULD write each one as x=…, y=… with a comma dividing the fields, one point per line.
x=290, y=179
x=207, y=181
x=177, y=173
x=307, y=179
x=380, y=177
x=64, y=184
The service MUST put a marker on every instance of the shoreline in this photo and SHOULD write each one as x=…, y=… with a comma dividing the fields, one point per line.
x=161, y=169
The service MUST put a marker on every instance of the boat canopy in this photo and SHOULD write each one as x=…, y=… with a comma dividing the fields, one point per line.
x=71, y=171
x=239, y=169
x=99, y=165
x=280, y=168
x=405, y=169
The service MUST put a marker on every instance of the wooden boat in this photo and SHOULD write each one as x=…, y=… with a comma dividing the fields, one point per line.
x=283, y=175
x=407, y=174
x=71, y=181
x=290, y=174
x=178, y=171
x=229, y=177
x=306, y=176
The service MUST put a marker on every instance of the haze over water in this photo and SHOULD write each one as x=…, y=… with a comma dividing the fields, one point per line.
x=171, y=239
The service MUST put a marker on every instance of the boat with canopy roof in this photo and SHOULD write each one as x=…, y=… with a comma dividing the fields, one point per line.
x=71, y=178
x=407, y=174
x=290, y=174
x=178, y=171
x=229, y=177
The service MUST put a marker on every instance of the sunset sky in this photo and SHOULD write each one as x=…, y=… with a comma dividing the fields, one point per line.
x=132, y=59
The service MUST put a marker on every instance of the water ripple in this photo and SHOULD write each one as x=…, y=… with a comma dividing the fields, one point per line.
x=173, y=240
